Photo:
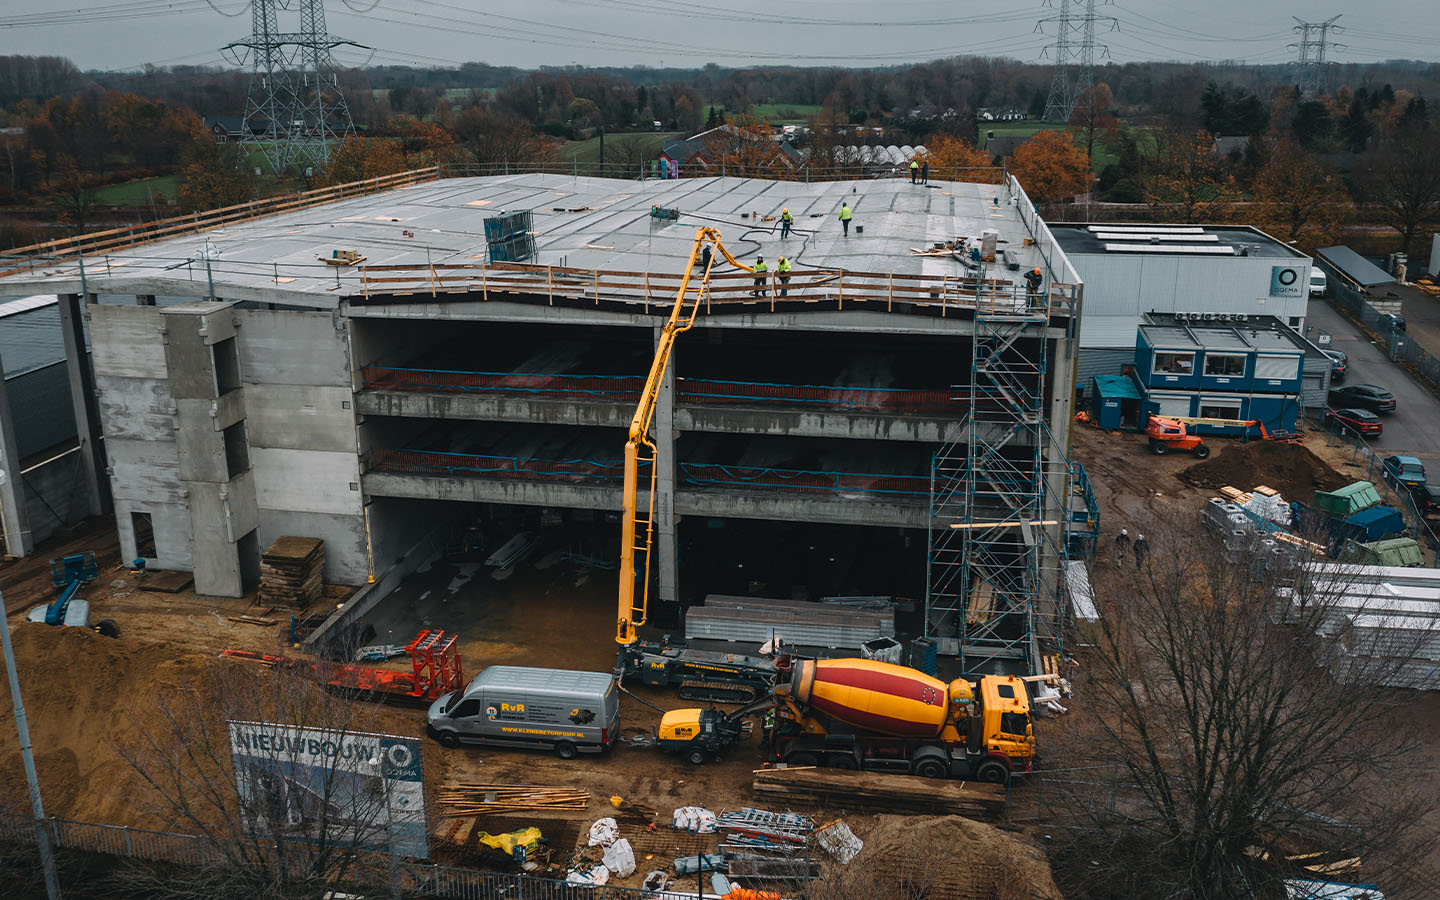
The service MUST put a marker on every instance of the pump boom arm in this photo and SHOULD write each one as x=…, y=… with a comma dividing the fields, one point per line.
x=632, y=609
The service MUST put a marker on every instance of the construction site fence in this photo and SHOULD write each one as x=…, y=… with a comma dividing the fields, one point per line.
x=654, y=292
x=626, y=388
x=99, y=242
x=369, y=868
x=611, y=472
x=1397, y=344
x=657, y=170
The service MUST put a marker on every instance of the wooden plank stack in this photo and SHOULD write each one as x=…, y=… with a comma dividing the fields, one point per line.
x=875, y=792
x=291, y=571
x=470, y=799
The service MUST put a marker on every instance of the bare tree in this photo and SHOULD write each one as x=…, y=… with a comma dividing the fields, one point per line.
x=280, y=808
x=1404, y=181
x=1241, y=719
x=628, y=154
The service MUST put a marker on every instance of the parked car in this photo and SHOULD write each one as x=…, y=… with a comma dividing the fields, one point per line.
x=1356, y=421
x=1395, y=321
x=1339, y=364
x=1363, y=396
x=1317, y=282
x=1427, y=499
x=1404, y=472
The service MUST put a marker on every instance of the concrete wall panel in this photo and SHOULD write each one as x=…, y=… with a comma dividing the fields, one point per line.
x=299, y=417
x=145, y=471
x=413, y=404
x=126, y=341
x=216, y=562
x=306, y=480
x=171, y=524
x=189, y=361
x=135, y=408
x=286, y=347
x=480, y=490
x=344, y=537
x=201, y=448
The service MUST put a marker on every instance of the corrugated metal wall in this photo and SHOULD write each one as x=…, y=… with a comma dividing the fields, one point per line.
x=1099, y=362
x=40, y=408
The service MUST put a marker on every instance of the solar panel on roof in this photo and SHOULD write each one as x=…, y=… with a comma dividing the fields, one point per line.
x=1168, y=229
x=1186, y=249
x=1155, y=236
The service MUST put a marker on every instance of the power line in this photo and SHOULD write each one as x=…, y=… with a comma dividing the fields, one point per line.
x=1313, y=44
x=1074, y=49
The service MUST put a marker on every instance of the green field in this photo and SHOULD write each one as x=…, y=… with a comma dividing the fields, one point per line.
x=785, y=113
x=138, y=193
x=650, y=143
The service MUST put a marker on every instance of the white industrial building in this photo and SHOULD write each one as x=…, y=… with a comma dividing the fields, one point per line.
x=1213, y=273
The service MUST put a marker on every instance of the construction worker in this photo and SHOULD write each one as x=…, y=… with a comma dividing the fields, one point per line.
x=768, y=725
x=705, y=258
x=787, y=222
x=925, y=172
x=1033, y=278
x=760, y=270
x=782, y=272
x=1142, y=550
x=845, y=217
x=1122, y=543
x=914, y=172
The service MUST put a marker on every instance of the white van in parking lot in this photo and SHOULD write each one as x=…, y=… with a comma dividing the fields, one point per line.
x=514, y=706
x=1317, y=282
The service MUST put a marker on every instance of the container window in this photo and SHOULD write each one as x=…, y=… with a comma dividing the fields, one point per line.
x=1229, y=365
x=1219, y=409
x=1167, y=363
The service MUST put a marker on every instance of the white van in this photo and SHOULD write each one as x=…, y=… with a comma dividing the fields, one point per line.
x=1317, y=282
x=514, y=706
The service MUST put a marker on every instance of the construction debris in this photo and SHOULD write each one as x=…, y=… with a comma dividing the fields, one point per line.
x=694, y=819
x=836, y=839
x=836, y=788
x=291, y=572
x=469, y=799
x=785, y=832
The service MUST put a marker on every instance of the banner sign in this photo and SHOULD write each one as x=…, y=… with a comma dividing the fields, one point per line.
x=355, y=788
x=1288, y=281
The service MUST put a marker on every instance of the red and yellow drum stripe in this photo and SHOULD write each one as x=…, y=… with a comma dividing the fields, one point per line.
x=873, y=695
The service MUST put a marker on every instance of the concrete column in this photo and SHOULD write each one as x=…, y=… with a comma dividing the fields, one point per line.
x=14, y=516
x=144, y=299
x=82, y=396
x=665, y=519
x=1057, y=500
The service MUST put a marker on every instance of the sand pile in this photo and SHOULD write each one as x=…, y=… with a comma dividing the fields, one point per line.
x=1288, y=468
x=937, y=858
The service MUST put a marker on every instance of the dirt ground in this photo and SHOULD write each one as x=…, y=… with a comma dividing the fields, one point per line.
x=1138, y=490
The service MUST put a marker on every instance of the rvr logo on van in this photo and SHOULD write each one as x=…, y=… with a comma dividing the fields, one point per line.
x=512, y=707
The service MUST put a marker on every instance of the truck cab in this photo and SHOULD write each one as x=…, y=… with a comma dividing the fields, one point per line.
x=1007, y=729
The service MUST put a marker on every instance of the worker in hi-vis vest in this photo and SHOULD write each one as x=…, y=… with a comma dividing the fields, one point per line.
x=845, y=217
x=782, y=273
x=760, y=269
x=914, y=172
x=787, y=222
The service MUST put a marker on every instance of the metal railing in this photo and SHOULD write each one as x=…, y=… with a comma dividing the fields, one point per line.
x=846, y=485
x=654, y=292
x=651, y=170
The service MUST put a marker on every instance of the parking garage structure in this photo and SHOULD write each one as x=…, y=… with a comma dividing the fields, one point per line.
x=374, y=405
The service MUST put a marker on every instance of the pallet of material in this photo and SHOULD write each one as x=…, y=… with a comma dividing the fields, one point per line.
x=871, y=791
x=488, y=799
x=818, y=626
x=291, y=572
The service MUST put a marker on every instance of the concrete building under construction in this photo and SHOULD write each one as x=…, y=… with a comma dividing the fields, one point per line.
x=371, y=370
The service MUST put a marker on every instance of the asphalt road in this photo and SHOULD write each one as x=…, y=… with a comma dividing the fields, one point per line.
x=1414, y=427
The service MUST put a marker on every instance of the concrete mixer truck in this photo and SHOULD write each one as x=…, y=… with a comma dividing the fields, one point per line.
x=865, y=714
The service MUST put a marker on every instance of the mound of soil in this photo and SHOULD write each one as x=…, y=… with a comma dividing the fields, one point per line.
x=1288, y=468
x=938, y=858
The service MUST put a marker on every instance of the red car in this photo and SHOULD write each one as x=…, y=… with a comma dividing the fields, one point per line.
x=1357, y=421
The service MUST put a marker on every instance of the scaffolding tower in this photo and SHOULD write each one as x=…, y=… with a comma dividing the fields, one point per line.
x=994, y=556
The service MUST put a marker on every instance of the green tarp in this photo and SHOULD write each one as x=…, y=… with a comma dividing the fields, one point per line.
x=1348, y=500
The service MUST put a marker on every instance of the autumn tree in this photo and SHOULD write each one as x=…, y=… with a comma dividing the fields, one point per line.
x=955, y=158
x=1051, y=168
x=1298, y=199
x=1094, y=118
x=359, y=158
x=1241, y=721
x=1186, y=179
x=743, y=145
x=1403, y=182
x=78, y=193
x=492, y=137
x=215, y=175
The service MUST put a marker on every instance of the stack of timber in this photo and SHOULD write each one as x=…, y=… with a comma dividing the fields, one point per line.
x=871, y=791
x=470, y=799
x=290, y=572
x=756, y=619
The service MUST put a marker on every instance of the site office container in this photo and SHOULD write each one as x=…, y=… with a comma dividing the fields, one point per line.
x=514, y=706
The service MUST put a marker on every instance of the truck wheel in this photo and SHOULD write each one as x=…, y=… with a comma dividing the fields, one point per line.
x=801, y=759
x=932, y=767
x=448, y=739
x=841, y=761
x=565, y=750
x=1201, y=451
x=697, y=756
x=108, y=628
x=993, y=773
x=1159, y=448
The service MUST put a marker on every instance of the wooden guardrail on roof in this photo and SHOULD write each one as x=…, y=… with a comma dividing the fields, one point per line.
x=24, y=258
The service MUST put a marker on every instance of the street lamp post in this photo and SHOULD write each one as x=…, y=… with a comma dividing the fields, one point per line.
x=42, y=831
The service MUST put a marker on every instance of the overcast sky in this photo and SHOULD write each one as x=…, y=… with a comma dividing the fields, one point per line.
x=130, y=33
